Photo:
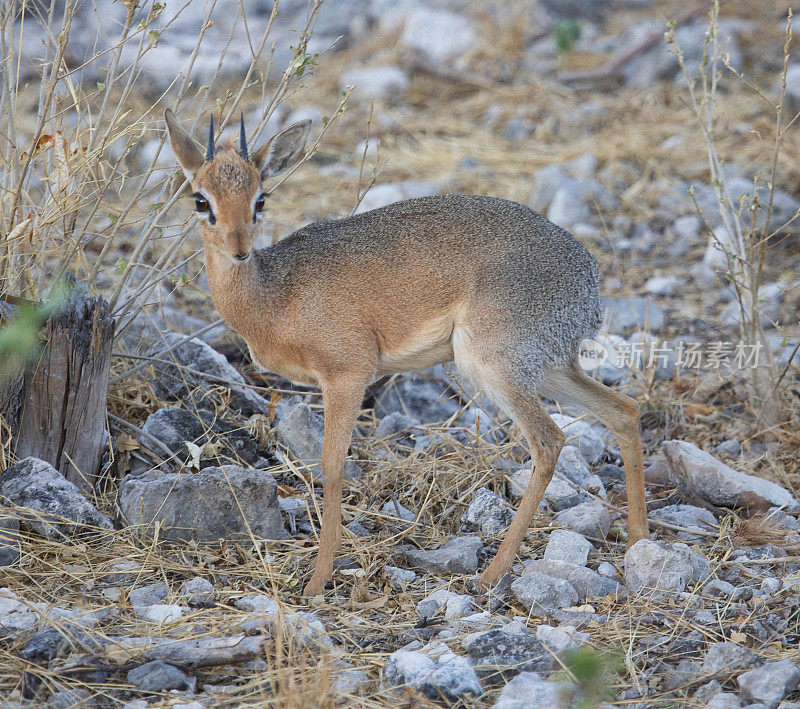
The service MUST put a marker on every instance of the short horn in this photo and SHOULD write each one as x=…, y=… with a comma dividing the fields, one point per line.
x=210, y=148
x=242, y=138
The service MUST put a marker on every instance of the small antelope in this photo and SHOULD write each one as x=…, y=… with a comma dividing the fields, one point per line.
x=482, y=281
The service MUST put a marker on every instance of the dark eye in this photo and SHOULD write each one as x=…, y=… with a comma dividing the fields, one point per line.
x=200, y=203
x=260, y=203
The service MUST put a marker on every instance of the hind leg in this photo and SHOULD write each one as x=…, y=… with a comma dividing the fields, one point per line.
x=620, y=414
x=509, y=377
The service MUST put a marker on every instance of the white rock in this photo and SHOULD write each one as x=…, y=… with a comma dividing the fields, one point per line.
x=434, y=670
x=15, y=615
x=566, y=210
x=569, y=546
x=381, y=82
x=528, y=690
x=564, y=637
x=664, y=285
x=160, y=612
x=436, y=36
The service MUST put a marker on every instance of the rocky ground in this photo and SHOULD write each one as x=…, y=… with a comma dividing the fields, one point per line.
x=178, y=584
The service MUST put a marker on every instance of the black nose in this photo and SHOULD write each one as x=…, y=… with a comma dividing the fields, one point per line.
x=241, y=256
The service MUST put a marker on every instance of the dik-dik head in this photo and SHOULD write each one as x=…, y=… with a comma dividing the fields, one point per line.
x=228, y=197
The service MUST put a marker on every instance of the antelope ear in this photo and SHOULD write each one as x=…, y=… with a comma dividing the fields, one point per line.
x=190, y=158
x=282, y=150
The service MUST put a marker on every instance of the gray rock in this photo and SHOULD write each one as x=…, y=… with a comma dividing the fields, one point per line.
x=591, y=519
x=397, y=511
x=699, y=473
x=301, y=431
x=604, y=568
x=542, y=594
x=350, y=682
x=632, y=313
x=724, y=700
x=582, y=436
x=687, y=227
x=528, y=690
x=770, y=683
x=60, y=510
x=728, y=657
x=69, y=698
x=266, y=615
x=661, y=63
x=9, y=540
x=420, y=397
x=381, y=82
x=402, y=429
x=770, y=301
x=124, y=573
x=460, y=555
x=157, y=676
x=720, y=589
x=148, y=595
x=199, y=592
x=399, y=578
x=390, y=192
x=569, y=546
x=500, y=652
x=452, y=605
x=664, y=285
x=173, y=428
x=216, y=503
x=487, y=514
x=176, y=381
x=793, y=87
x=434, y=670
x=559, y=494
x=662, y=567
x=730, y=448
x=517, y=128
x=58, y=641
x=587, y=583
x=588, y=445
x=693, y=518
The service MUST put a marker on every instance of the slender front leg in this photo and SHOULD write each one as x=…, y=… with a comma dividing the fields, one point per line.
x=342, y=401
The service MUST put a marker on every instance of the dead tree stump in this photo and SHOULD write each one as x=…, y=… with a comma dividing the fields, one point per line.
x=62, y=419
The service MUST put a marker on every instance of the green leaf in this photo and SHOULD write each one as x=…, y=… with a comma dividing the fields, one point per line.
x=152, y=37
x=119, y=266
x=566, y=34
x=101, y=86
